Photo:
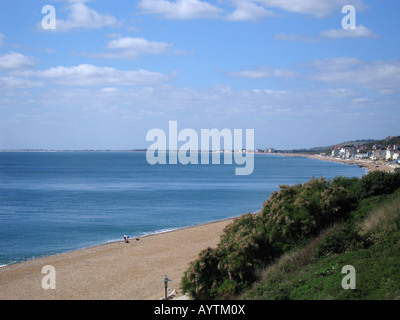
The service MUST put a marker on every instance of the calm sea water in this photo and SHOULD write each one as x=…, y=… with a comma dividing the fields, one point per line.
x=57, y=202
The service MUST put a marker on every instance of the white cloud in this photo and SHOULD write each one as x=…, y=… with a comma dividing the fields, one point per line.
x=244, y=9
x=134, y=47
x=359, y=32
x=317, y=8
x=15, y=60
x=90, y=75
x=180, y=9
x=109, y=90
x=262, y=72
x=81, y=16
x=136, y=110
x=342, y=72
x=248, y=10
x=10, y=83
x=378, y=75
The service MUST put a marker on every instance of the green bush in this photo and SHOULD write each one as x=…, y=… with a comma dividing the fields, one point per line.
x=344, y=237
x=290, y=218
x=377, y=266
x=299, y=212
x=377, y=183
x=197, y=280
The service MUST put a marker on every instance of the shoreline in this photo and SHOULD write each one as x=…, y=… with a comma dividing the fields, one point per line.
x=363, y=163
x=119, y=270
x=114, y=271
x=108, y=242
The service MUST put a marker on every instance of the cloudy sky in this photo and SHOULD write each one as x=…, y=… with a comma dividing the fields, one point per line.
x=113, y=70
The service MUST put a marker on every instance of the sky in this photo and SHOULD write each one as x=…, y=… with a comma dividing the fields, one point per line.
x=111, y=71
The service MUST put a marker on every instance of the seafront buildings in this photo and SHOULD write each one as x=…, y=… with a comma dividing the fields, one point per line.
x=391, y=153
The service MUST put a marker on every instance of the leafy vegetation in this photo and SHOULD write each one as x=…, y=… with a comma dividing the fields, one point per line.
x=308, y=227
x=372, y=246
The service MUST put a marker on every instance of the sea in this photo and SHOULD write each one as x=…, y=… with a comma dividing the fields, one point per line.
x=55, y=202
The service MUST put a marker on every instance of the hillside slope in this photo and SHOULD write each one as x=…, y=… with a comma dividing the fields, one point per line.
x=296, y=247
x=371, y=245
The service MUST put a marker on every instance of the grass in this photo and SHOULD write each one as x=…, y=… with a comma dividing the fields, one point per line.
x=370, y=243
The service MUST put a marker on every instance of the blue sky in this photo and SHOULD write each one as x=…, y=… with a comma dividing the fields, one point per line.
x=113, y=70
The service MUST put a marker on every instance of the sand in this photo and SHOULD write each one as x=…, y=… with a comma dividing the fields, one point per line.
x=113, y=271
x=124, y=270
x=370, y=165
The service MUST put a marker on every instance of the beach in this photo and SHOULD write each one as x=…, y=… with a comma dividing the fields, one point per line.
x=364, y=163
x=114, y=271
x=118, y=270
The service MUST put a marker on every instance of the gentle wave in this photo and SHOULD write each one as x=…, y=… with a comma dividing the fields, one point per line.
x=66, y=201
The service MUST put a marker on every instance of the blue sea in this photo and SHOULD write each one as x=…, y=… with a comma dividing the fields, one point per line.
x=54, y=202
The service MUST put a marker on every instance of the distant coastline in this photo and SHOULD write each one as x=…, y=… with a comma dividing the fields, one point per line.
x=368, y=164
x=68, y=150
x=84, y=273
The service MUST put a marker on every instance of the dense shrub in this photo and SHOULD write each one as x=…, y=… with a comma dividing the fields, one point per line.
x=342, y=238
x=377, y=183
x=294, y=214
x=370, y=243
x=199, y=282
x=290, y=218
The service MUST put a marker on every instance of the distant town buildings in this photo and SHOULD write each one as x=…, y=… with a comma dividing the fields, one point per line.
x=268, y=150
x=235, y=151
x=380, y=151
x=343, y=152
x=391, y=153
